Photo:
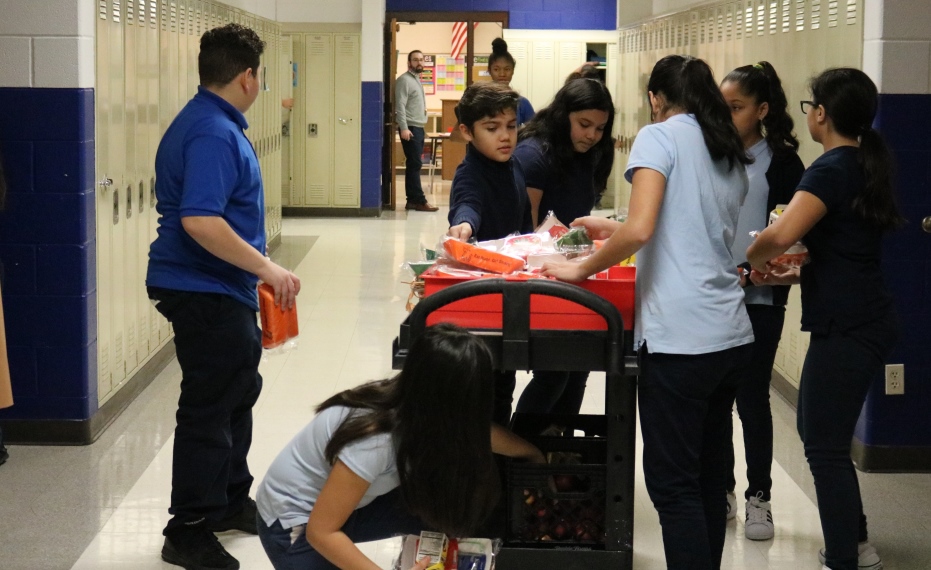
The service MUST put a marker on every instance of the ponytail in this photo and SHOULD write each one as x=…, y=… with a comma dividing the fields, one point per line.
x=849, y=98
x=687, y=83
x=761, y=82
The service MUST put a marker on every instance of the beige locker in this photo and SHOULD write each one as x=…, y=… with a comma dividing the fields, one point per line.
x=542, y=72
x=520, y=82
x=318, y=119
x=347, y=129
x=570, y=56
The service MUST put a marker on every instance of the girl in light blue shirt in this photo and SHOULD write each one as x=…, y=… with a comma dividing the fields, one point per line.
x=692, y=330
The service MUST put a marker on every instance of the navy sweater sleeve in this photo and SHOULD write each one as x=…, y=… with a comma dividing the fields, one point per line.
x=466, y=199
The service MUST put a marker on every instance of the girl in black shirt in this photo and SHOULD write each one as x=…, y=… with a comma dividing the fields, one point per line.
x=843, y=205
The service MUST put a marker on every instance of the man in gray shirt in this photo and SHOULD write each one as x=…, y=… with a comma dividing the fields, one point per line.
x=410, y=106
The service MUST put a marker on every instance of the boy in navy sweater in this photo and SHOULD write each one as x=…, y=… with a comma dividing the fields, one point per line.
x=488, y=199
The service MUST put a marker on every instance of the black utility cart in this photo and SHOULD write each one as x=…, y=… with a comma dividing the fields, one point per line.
x=605, y=444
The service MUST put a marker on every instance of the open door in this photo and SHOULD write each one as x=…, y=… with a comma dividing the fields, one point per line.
x=388, y=178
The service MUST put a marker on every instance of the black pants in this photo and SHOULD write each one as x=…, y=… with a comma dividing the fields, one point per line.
x=838, y=371
x=685, y=404
x=413, y=152
x=219, y=348
x=553, y=392
x=753, y=402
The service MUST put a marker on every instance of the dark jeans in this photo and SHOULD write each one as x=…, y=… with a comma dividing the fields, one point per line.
x=219, y=347
x=505, y=380
x=413, y=152
x=382, y=518
x=553, y=392
x=753, y=402
x=836, y=376
x=685, y=404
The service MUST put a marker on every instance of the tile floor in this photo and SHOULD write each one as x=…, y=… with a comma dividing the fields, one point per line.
x=102, y=507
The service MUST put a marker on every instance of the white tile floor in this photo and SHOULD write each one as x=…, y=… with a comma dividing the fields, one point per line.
x=351, y=303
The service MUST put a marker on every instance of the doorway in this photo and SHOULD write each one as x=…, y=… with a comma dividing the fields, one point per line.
x=445, y=77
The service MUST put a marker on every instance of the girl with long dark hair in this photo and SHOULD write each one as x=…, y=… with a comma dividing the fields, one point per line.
x=566, y=159
x=692, y=330
x=501, y=66
x=843, y=205
x=390, y=457
x=760, y=112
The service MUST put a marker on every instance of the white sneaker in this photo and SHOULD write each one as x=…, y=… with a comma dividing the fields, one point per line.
x=867, y=558
x=731, y=506
x=759, y=523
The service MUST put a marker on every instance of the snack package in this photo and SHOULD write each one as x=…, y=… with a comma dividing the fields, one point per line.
x=576, y=240
x=795, y=256
x=434, y=545
x=461, y=554
x=551, y=226
x=481, y=258
x=279, y=326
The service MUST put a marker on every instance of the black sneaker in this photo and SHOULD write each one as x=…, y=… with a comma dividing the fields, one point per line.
x=244, y=520
x=193, y=547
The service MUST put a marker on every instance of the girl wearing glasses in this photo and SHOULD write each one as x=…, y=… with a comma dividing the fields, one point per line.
x=843, y=205
x=760, y=113
x=694, y=336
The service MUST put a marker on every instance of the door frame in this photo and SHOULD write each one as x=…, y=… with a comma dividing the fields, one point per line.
x=388, y=182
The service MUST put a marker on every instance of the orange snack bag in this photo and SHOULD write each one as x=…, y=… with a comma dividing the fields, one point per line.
x=278, y=325
x=482, y=258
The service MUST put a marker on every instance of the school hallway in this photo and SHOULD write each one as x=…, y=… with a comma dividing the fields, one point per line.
x=103, y=506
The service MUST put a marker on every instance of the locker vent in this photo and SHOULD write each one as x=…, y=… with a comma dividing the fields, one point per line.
x=345, y=46
x=130, y=13
x=761, y=18
x=519, y=51
x=543, y=50
x=173, y=14
x=131, y=343
x=719, y=24
x=116, y=10
x=729, y=34
x=832, y=13
x=102, y=9
x=103, y=367
x=786, y=16
x=773, y=16
x=800, y=15
x=851, y=12
x=815, y=14
x=144, y=346
x=317, y=46
x=571, y=51
x=748, y=19
x=182, y=19
x=153, y=16
x=118, y=351
x=316, y=195
x=346, y=194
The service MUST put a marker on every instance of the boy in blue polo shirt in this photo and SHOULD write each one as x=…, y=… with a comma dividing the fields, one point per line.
x=202, y=276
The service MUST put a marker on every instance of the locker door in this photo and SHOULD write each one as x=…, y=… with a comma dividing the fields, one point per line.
x=128, y=267
x=103, y=190
x=117, y=160
x=318, y=130
x=143, y=160
x=520, y=82
x=571, y=56
x=298, y=135
x=347, y=129
x=285, y=80
x=542, y=73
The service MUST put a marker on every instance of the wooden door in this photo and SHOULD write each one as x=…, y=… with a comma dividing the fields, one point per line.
x=388, y=178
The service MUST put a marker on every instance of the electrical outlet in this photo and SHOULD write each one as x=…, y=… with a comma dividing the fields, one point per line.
x=895, y=379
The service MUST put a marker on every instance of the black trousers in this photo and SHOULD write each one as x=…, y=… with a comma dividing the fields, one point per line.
x=219, y=347
x=685, y=404
x=413, y=152
x=756, y=417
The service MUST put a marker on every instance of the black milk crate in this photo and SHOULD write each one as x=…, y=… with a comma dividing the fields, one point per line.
x=559, y=504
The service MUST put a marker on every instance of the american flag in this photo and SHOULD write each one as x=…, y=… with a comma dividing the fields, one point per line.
x=460, y=38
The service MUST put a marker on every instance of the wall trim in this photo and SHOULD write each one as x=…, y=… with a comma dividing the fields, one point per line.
x=85, y=432
x=305, y=212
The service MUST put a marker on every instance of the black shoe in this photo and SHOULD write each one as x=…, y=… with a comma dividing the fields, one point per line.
x=421, y=207
x=193, y=547
x=4, y=455
x=244, y=520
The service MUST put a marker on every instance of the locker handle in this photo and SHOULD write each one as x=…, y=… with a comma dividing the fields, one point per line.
x=116, y=206
x=129, y=202
x=105, y=183
x=344, y=121
x=152, y=192
x=141, y=196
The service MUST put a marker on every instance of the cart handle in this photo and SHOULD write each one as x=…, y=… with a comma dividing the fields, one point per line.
x=515, y=296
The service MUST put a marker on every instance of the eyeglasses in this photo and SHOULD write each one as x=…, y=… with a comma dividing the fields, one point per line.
x=811, y=104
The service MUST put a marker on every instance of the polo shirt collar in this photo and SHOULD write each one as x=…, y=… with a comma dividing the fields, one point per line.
x=224, y=105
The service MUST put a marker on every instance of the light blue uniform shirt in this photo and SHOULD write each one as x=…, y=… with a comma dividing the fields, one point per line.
x=754, y=217
x=689, y=299
x=296, y=477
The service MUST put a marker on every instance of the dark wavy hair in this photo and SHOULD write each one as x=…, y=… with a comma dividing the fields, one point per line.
x=687, y=83
x=499, y=50
x=438, y=410
x=552, y=127
x=227, y=51
x=485, y=99
x=761, y=82
x=849, y=98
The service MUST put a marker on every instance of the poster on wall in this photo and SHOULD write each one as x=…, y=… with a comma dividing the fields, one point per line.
x=450, y=73
x=427, y=77
x=480, y=68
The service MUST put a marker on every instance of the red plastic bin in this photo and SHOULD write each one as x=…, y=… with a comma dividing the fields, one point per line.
x=484, y=311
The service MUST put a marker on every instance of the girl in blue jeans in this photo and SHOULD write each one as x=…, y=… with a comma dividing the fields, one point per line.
x=843, y=205
x=390, y=457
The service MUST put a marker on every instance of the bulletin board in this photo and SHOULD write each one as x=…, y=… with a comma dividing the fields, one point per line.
x=428, y=76
x=480, y=69
x=450, y=73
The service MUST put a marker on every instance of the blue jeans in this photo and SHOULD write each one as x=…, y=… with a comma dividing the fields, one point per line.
x=838, y=371
x=413, y=152
x=756, y=417
x=382, y=518
x=553, y=392
x=685, y=408
x=219, y=347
